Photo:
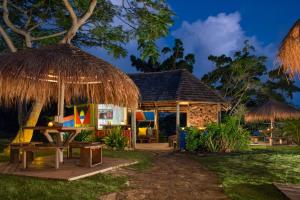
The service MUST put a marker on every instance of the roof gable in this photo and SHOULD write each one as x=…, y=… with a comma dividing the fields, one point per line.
x=175, y=85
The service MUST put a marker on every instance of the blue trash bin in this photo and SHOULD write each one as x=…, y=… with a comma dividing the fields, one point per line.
x=182, y=138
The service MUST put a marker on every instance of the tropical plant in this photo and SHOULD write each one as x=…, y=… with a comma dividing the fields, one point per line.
x=115, y=139
x=193, y=139
x=292, y=128
x=176, y=60
x=85, y=136
x=225, y=137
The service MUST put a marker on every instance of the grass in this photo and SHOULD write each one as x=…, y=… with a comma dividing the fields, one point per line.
x=14, y=187
x=144, y=158
x=250, y=175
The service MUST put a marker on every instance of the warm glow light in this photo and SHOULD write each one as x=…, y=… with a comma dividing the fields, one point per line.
x=50, y=124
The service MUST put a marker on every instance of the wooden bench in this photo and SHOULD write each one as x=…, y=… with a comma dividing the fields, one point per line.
x=30, y=149
x=90, y=153
x=16, y=149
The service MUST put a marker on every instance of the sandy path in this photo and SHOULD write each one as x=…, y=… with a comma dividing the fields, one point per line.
x=173, y=176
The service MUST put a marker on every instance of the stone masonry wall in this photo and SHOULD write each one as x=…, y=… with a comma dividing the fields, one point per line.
x=199, y=115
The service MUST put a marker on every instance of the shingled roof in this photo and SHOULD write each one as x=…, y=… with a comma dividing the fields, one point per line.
x=175, y=85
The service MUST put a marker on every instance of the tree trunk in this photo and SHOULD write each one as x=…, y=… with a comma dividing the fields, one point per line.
x=26, y=135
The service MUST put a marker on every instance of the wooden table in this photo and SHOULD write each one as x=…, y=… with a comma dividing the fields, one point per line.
x=59, y=144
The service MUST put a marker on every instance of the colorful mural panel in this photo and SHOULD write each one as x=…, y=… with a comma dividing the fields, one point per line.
x=84, y=115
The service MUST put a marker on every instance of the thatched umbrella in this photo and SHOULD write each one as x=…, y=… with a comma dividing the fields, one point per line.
x=271, y=111
x=62, y=72
x=289, y=51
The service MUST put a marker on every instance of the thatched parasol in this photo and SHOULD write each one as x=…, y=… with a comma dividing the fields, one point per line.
x=289, y=51
x=271, y=111
x=63, y=72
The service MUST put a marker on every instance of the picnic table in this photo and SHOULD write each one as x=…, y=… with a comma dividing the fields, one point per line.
x=57, y=143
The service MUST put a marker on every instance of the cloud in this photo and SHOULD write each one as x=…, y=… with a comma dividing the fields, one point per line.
x=217, y=35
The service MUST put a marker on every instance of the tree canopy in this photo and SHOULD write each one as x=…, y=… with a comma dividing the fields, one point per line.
x=244, y=79
x=175, y=59
x=98, y=23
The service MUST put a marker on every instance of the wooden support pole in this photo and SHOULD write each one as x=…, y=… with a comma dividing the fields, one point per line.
x=156, y=124
x=219, y=112
x=61, y=107
x=271, y=136
x=177, y=123
x=133, y=128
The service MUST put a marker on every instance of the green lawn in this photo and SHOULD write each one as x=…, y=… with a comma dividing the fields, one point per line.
x=14, y=187
x=250, y=175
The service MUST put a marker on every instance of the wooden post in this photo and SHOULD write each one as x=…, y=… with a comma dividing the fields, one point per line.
x=271, y=136
x=133, y=128
x=156, y=124
x=177, y=123
x=57, y=158
x=24, y=161
x=219, y=113
x=60, y=110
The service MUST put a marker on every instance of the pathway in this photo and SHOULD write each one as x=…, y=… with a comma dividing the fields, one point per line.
x=173, y=176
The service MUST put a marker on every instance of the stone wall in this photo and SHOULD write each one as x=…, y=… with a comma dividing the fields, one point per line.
x=199, y=115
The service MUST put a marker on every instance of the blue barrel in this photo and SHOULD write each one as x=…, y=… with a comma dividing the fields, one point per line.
x=182, y=138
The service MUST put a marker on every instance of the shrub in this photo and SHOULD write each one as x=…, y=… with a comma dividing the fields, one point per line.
x=292, y=128
x=115, y=139
x=193, y=139
x=226, y=137
x=85, y=136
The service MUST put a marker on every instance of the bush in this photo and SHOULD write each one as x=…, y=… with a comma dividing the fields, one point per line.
x=224, y=137
x=193, y=139
x=115, y=139
x=292, y=128
x=85, y=136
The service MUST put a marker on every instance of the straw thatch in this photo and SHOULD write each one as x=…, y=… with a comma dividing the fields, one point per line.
x=34, y=74
x=289, y=51
x=272, y=110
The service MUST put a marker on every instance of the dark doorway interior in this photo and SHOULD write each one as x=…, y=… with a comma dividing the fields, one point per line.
x=167, y=124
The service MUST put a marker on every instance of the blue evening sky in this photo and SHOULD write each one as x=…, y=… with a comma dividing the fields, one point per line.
x=220, y=27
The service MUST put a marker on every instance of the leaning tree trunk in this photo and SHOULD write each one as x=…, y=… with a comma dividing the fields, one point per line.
x=26, y=134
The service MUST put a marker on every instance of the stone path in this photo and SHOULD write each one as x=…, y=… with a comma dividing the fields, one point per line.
x=173, y=176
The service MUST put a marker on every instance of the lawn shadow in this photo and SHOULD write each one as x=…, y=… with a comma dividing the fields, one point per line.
x=252, y=191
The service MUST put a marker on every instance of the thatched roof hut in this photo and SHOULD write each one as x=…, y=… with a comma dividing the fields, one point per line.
x=289, y=51
x=271, y=111
x=36, y=73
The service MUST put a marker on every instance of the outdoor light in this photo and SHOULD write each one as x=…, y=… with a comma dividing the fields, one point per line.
x=50, y=124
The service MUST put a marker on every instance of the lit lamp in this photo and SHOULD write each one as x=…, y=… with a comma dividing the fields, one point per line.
x=50, y=124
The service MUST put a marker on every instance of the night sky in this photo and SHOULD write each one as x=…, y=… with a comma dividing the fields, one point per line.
x=220, y=27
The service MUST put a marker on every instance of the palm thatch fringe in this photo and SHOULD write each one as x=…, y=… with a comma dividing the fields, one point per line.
x=35, y=73
x=289, y=51
x=272, y=110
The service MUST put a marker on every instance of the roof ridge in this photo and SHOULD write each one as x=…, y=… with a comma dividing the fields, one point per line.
x=160, y=72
